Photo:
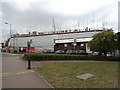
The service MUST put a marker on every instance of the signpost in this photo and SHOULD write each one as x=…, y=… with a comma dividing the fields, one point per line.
x=29, y=56
x=74, y=44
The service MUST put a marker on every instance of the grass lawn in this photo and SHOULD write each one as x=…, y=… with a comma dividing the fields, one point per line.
x=63, y=74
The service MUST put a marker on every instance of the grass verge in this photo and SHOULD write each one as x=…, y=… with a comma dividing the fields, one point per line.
x=63, y=75
x=16, y=53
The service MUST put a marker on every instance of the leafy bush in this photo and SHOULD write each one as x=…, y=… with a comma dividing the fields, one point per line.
x=42, y=56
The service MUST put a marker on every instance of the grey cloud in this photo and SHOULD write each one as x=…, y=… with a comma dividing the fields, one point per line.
x=36, y=15
x=39, y=15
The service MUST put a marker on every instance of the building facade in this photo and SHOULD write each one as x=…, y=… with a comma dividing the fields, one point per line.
x=79, y=43
x=55, y=41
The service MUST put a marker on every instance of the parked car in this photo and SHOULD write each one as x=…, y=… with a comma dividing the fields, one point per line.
x=71, y=52
x=109, y=54
x=48, y=51
x=95, y=53
x=82, y=52
x=60, y=52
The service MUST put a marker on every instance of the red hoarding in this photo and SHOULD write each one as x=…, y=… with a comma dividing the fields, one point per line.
x=25, y=49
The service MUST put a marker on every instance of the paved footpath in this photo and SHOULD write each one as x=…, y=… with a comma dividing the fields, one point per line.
x=15, y=74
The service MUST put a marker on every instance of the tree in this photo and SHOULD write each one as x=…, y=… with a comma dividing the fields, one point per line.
x=103, y=42
x=118, y=39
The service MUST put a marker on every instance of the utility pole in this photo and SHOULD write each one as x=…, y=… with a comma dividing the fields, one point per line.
x=103, y=24
x=78, y=25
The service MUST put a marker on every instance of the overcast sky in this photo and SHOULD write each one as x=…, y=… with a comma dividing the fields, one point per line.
x=36, y=15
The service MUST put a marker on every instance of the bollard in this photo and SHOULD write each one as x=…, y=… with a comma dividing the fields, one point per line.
x=29, y=62
x=29, y=56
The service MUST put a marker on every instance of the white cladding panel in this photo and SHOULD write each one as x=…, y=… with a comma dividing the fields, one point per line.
x=83, y=39
x=72, y=40
x=88, y=49
x=64, y=41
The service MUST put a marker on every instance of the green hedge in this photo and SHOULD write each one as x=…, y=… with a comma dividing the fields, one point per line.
x=42, y=56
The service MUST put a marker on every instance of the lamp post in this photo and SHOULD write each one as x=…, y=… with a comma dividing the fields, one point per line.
x=10, y=27
x=10, y=35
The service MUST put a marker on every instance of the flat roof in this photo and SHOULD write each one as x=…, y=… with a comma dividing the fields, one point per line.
x=55, y=33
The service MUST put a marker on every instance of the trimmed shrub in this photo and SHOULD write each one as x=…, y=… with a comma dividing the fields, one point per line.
x=42, y=56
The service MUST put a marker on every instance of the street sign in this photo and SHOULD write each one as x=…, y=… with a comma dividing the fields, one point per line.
x=28, y=45
x=29, y=56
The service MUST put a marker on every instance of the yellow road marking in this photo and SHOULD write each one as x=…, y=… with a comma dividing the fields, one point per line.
x=15, y=73
x=4, y=74
x=20, y=72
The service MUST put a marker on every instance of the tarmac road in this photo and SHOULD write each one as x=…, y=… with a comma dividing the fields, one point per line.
x=15, y=74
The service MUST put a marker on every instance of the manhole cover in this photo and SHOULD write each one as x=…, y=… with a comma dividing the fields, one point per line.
x=85, y=76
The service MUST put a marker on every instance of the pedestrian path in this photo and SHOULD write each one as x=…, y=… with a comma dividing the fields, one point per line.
x=16, y=75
